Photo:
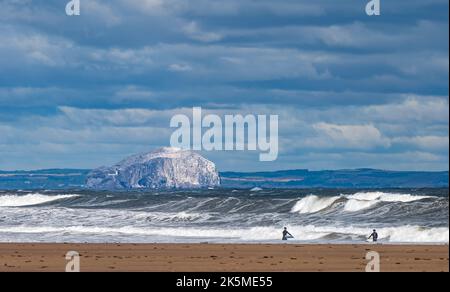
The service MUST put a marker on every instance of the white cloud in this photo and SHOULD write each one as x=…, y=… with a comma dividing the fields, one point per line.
x=180, y=68
x=147, y=6
x=37, y=49
x=352, y=136
x=117, y=118
x=427, y=143
x=193, y=31
x=412, y=109
x=102, y=11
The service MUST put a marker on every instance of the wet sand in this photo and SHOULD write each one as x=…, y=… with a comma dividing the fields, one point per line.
x=222, y=258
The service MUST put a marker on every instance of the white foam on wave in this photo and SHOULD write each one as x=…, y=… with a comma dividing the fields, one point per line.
x=175, y=217
x=358, y=205
x=354, y=203
x=61, y=216
x=362, y=201
x=313, y=204
x=417, y=234
x=401, y=234
x=256, y=189
x=386, y=197
x=29, y=199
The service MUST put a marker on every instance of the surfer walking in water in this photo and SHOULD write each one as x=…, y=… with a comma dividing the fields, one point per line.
x=286, y=234
x=374, y=236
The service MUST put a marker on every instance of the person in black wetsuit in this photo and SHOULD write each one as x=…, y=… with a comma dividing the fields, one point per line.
x=374, y=236
x=286, y=234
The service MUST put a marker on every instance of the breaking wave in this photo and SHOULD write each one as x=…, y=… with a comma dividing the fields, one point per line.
x=313, y=204
x=352, y=203
x=414, y=216
x=29, y=199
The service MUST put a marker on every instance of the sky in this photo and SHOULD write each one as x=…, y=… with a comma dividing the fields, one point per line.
x=351, y=91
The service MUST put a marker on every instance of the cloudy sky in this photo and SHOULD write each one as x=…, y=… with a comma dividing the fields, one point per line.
x=351, y=91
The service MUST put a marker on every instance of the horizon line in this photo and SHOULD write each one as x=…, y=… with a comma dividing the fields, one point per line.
x=256, y=171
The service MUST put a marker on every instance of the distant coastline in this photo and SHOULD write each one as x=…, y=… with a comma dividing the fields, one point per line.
x=356, y=178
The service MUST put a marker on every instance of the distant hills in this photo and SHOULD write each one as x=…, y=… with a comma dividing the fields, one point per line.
x=54, y=179
x=358, y=178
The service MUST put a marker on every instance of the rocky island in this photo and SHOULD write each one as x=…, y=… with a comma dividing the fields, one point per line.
x=165, y=168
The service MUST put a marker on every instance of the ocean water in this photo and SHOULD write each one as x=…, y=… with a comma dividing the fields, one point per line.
x=225, y=216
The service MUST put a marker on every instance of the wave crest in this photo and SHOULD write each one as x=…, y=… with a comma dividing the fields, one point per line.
x=29, y=199
x=353, y=203
x=313, y=204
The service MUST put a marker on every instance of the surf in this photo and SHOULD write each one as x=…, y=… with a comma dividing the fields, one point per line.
x=224, y=215
x=30, y=199
x=308, y=233
x=352, y=203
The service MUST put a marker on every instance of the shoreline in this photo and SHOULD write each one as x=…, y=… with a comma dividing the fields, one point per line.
x=243, y=243
x=213, y=257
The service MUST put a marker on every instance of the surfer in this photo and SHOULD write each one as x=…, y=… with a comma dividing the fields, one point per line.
x=286, y=234
x=374, y=236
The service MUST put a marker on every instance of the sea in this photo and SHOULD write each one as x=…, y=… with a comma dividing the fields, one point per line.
x=409, y=216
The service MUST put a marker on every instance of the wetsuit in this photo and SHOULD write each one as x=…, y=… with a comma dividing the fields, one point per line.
x=374, y=236
x=286, y=235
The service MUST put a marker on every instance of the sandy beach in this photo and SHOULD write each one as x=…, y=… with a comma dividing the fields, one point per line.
x=222, y=258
